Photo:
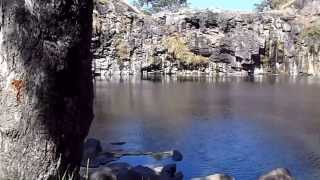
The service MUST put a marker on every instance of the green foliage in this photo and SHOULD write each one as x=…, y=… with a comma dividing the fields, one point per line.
x=179, y=50
x=154, y=6
x=262, y=6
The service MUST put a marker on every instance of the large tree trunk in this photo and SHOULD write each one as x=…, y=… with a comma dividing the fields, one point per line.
x=45, y=86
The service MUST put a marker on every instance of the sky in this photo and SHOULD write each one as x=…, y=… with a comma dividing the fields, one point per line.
x=241, y=5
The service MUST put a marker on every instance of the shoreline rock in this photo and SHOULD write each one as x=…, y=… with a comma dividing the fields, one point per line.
x=277, y=174
x=110, y=170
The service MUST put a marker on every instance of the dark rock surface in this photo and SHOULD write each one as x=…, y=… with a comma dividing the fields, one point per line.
x=176, y=155
x=103, y=174
x=118, y=166
x=141, y=172
x=46, y=86
x=168, y=170
x=93, y=156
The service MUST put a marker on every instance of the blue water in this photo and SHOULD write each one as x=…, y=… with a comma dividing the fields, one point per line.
x=239, y=126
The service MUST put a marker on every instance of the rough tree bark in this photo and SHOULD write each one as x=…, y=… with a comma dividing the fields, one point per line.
x=45, y=86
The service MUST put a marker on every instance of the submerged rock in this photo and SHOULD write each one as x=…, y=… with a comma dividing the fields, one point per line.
x=215, y=177
x=118, y=143
x=117, y=166
x=277, y=174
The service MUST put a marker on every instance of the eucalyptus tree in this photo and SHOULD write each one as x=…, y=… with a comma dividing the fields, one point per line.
x=275, y=4
x=45, y=86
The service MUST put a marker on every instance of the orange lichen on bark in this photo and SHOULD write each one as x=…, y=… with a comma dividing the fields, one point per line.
x=18, y=87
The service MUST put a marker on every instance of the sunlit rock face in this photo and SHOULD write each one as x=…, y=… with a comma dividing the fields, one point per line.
x=126, y=41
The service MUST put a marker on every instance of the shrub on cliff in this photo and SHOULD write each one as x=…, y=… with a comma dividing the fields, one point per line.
x=311, y=37
x=273, y=4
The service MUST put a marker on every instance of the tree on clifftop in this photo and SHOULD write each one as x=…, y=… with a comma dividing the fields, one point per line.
x=273, y=4
x=154, y=6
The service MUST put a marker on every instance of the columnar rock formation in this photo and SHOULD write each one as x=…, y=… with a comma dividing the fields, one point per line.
x=284, y=41
x=45, y=86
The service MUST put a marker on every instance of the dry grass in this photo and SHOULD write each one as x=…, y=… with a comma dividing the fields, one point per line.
x=123, y=51
x=280, y=4
x=178, y=48
x=312, y=32
x=67, y=175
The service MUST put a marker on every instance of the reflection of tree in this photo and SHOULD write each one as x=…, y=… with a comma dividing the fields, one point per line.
x=226, y=99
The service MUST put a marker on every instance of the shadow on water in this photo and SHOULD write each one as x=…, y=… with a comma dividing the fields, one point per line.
x=243, y=126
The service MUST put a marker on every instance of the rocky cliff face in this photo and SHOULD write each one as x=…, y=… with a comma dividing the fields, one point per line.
x=285, y=41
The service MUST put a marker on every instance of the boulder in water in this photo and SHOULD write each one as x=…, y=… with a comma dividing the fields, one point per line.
x=119, y=168
x=176, y=155
x=103, y=174
x=277, y=174
x=169, y=170
x=137, y=173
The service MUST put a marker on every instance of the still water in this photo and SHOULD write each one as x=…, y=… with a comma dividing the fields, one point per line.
x=239, y=126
